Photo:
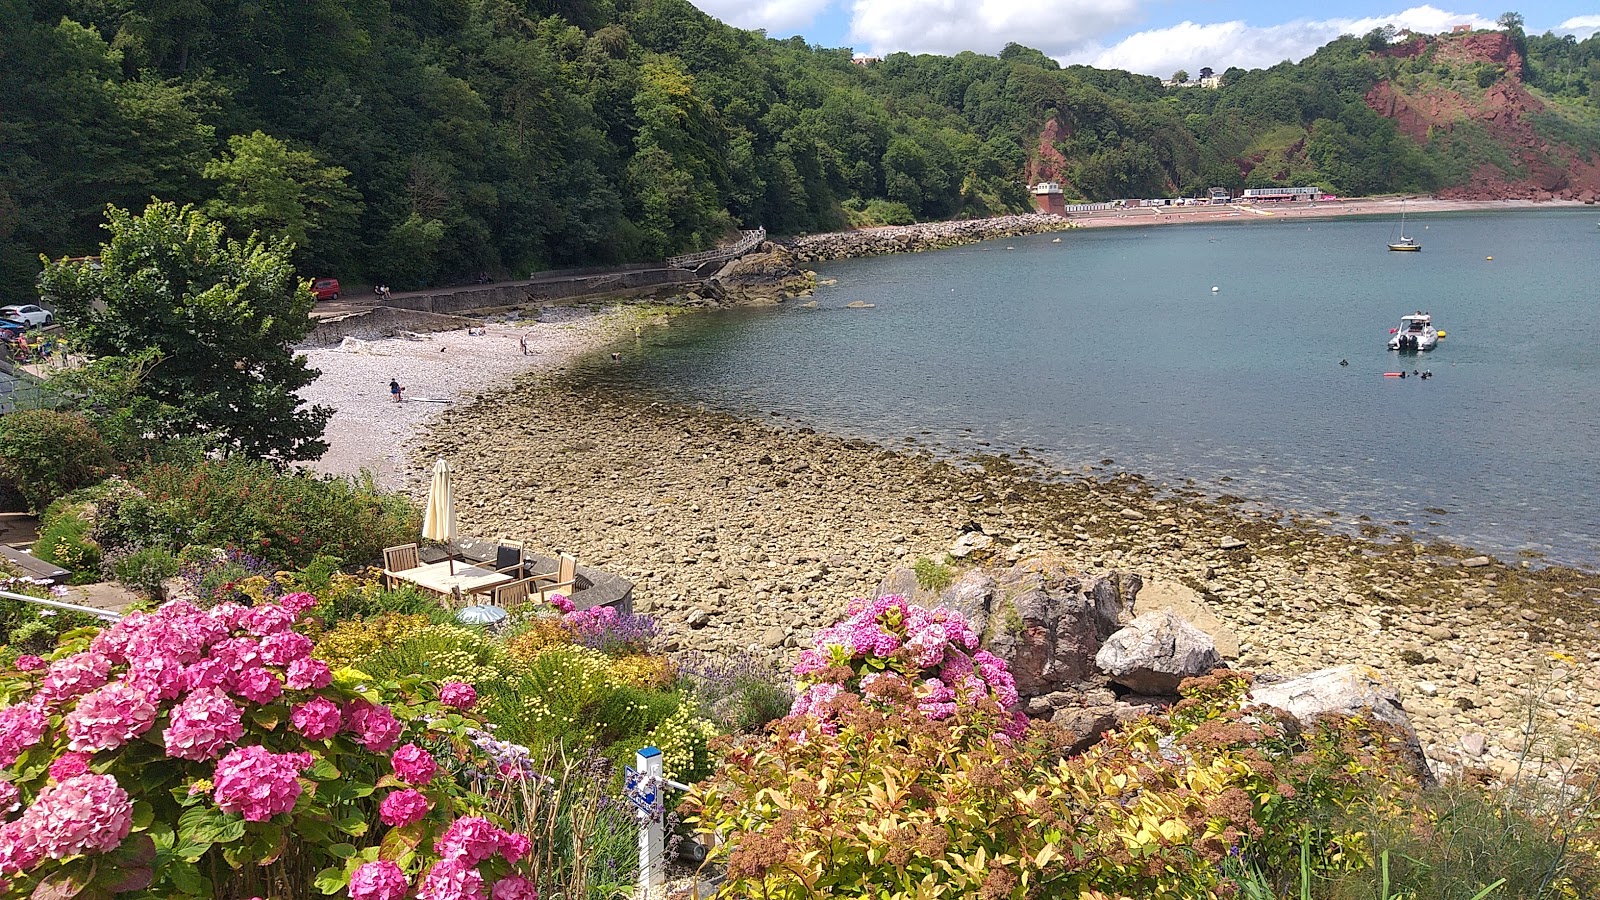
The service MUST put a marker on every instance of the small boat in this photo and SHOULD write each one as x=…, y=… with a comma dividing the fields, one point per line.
x=1405, y=243
x=1416, y=333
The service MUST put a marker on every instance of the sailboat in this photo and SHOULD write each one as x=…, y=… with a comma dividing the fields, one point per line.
x=1405, y=243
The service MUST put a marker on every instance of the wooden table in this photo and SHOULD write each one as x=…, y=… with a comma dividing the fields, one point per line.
x=439, y=577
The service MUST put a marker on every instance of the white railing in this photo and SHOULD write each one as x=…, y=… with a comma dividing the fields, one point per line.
x=107, y=614
x=720, y=254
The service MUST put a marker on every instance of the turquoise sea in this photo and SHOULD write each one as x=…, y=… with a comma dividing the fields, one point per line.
x=1112, y=345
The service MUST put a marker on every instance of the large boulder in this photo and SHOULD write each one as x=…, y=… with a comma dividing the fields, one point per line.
x=1343, y=691
x=1159, y=594
x=764, y=275
x=1155, y=652
x=1043, y=619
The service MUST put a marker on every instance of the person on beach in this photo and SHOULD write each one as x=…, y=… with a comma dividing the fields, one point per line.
x=523, y=343
x=396, y=390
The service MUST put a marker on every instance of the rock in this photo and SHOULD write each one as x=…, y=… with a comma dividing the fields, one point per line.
x=1155, y=652
x=1159, y=593
x=969, y=543
x=1474, y=744
x=1427, y=689
x=1345, y=691
x=1232, y=543
x=972, y=595
x=1087, y=724
x=774, y=637
x=1476, y=562
x=697, y=618
x=859, y=304
x=1047, y=623
x=901, y=582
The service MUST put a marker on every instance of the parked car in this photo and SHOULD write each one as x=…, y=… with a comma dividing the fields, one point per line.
x=33, y=315
x=325, y=288
x=10, y=331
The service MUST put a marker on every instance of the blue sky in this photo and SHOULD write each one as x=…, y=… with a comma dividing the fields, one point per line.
x=1156, y=37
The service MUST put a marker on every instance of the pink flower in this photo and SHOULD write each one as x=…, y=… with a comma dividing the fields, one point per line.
x=413, y=764
x=458, y=694
x=207, y=673
x=109, y=717
x=84, y=814
x=284, y=648
x=258, y=784
x=68, y=765
x=451, y=881
x=258, y=685
x=73, y=677
x=403, y=807
x=160, y=675
x=317, y=719
x=469, y=840
x=19, y=848
x=514, y=887
x=21, y=727
x=265, y=620
x=381, y=880
x=308, y=674
x=202, y=725
x=374, y=726
x=29, y=663
x=514, y=846
x=9, y=796
x=561, y=602
x=297, y=603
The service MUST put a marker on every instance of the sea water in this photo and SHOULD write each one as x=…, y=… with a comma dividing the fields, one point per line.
x=1247, y=357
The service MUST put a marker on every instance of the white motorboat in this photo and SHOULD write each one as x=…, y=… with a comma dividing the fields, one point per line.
x=1416, y=333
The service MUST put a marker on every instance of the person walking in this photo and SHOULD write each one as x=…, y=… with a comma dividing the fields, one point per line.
x=396, y=390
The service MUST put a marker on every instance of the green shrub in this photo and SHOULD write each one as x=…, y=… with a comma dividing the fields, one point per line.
x=46, y=454
x=145, y=570
x=64, y=539
x=932, y=575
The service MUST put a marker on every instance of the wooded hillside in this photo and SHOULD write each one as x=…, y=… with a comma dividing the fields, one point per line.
x=424, y=141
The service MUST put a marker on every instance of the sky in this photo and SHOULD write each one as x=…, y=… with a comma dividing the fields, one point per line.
x=1154, y=37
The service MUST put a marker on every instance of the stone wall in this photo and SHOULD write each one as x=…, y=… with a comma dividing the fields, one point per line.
x=379, y=322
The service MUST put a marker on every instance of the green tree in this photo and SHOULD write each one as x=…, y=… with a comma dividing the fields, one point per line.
x=264, y=186
x=223, y=315
x=45, y=454
x=1181, y=76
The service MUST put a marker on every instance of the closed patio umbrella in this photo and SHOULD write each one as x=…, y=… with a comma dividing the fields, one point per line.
x=439, y=519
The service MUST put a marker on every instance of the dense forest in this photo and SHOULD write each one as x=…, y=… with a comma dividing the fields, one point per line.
x=423, y=141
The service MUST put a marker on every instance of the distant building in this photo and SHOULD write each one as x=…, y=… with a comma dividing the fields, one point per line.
x=1283, y=193
x=1211, y=82
x=1221, y=196
x=1460, y=29
x=866, y=60
x=1048, y=198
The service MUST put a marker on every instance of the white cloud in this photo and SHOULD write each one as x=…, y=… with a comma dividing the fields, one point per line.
x=778, y=17
x=1058, y=27
x=1219, y=45
x=1579, y=26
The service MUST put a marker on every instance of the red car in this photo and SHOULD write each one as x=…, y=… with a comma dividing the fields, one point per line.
x=325, y=288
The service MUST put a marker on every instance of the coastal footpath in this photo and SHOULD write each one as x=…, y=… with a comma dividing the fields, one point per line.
x=747, y=535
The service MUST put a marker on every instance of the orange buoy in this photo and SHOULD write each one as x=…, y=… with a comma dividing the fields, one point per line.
x=1394, y=374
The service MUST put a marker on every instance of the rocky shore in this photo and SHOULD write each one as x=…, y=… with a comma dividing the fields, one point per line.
x=746, y=535
x=922, y=236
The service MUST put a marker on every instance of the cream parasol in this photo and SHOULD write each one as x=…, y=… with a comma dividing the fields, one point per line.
x=439, y=520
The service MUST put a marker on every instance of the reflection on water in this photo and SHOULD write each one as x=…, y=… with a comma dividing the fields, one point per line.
x=1111, y=344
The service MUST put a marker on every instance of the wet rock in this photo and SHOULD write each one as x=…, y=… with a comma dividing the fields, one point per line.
x=1155, y=652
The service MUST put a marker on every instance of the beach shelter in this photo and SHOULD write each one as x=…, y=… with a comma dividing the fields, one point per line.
x=439, y=519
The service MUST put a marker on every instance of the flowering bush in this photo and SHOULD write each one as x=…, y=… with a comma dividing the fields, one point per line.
x=887, y=648
x=200, y=753
x=354, y=640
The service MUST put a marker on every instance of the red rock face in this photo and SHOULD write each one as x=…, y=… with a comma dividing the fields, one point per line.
x=1047, y=163
x=1553, y=171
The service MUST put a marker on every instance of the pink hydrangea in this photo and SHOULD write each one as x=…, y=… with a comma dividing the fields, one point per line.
x=84, y=814
x=413, y=764
x=318, y=718
x=374, y=726
x=514, y=846
x=449, y=880
x=297, y=603
x=109, y=717
x=258, y=685
x=10, y=796
x=459, y=694
x=19, y=848
x=284, y=648
x=203, y=725
x=207, y=673
x=21, y=727
x=159, y=675
x=69, y=765
x=228, y=615
x=514, y=887
x=259, y=784
x=267, y=619
x=27, y=662
x=469, y=840
x=561, y=602
x=403, y=807
x=381, y=880
x=73, y=677
x=238, y=653
x=308, y=674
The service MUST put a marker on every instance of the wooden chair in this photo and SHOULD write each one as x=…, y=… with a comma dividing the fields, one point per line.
x=512, y=594
x=509, y=558
x=398, y=559
x=560, y=581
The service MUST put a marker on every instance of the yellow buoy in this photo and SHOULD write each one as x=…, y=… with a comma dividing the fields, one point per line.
x=1489, y=258
x=1441, y=334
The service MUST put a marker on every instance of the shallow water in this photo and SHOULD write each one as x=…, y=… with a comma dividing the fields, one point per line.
x=1112, y=345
